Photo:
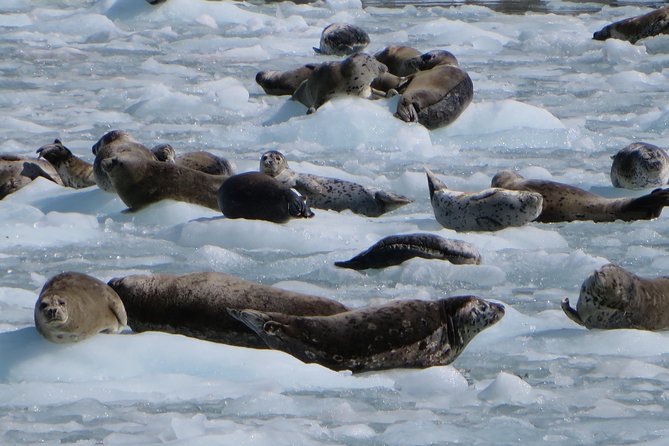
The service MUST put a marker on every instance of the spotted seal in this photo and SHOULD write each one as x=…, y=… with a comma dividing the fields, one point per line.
x=405, y=333
x=256, y=196
x=200, y=160
x=279, y=83
x=613, y=297
x=196, y=304
x=74, y=306
x=331, y=193
x=352, y=76
x=342, y=39
x=563, y=202
x=488, y=210
x=17, y=172
x=639, y=166
x=395, y=249
x=74, y=171
x=111, y=144
x=637, y=28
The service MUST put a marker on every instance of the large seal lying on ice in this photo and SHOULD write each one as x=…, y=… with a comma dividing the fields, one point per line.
x=196, y=305
x=639, y=166
x=73, y=306
x=637, y=28
x=74, y=171
x=114, y=143
x=279, y=83
x=406, y=333
x=612, y=297
x=563, y=202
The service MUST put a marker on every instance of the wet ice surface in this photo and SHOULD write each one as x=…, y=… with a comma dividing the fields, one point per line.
x=548, y=101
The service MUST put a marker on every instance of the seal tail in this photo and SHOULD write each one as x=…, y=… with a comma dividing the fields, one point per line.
x=391, y=200
x=297, y=205
x=433, y=183
x=648, y=206
x=570, y=312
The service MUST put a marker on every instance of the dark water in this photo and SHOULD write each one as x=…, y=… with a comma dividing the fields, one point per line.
x=520, y=7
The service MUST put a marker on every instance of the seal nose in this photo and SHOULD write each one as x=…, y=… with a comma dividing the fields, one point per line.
x=52, y=313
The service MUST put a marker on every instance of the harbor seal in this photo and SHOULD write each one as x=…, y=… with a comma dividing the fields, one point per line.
x=75, y=172
x=74, y=306
x=406, y=333
x=396, y=57
x=280, y=83
x=331, y=193
x=342, y=39
x=17, y=172
x=640, y=166
x=352, y=76
x=637, y=28
x=113, y=143
x=612, y=297
x=202, y=161
x=196, y=305
x=563, y=202
x=140, y=182
x=429, y=60
x=488, y=210
x=395, y=249
x=256, y=196
x=436, y=97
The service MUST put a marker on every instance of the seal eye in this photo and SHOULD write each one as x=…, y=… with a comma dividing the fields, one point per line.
x=43, y=305
x=61, y=302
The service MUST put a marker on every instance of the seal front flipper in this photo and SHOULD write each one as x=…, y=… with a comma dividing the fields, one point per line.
x=570, y=312
x=297, y=205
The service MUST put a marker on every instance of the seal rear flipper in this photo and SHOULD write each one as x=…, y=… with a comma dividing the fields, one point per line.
x=433, y=183
x=297, y=205
x=391, y=200
x=646, y=207
x=570, y=312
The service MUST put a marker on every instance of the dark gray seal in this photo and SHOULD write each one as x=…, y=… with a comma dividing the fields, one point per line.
x=75, y=172
x=488, y=210
x=612, y=297
x=352, y=76
x=342, y=39
x=74, y=306
x=196, y=305
x=202, y=161
x=563, y=202
x=114, y=143
x=256, y=196
x=17, y=172
x=406, y=333
x=395, y=249
x=331, y=193
x=637, y=28
x=140, y=182
x=280, y=83
x=639, y=166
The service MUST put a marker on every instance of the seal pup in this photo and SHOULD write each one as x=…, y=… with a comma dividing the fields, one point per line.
x=640, y=165
x=331, y=193
x=488, y=210
x=17, y=172
x=563, y=202
x=396, y=58
x=111, y=144
x=435, y=97
x=74, y=306
x=203, y=161
x=196, y=305
x=352, y=76
x=280, y=83
x=399, y=334
x=613, y=297
x=256, y=196
x=637, y=28
x=395, y=249
x=75, y=172
x=342, y=39
x=140, y=182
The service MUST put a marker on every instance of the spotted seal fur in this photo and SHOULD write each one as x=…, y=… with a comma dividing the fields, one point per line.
x=637, y=28
x=342, y=39
x=639, y=166
x=279, y=83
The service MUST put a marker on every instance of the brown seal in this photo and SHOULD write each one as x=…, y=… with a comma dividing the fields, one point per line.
x=203, y=161
x=396, y=58
x=196, y=304
x=637, y=28
x=279, y=83
x=17, y=172
x=114, y=143
x=563, y=202
x=74, y=306
x=406, y=333
x=612, y=297
x=74, y=171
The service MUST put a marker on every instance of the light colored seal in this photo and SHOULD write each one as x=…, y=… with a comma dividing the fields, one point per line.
x=256, y=196
x=74, y=306
x=395, y=249
x=488, y=210
x=203, y=161
x=640, y=166
x=406, y=333
x=563, y=202
x=637, y=28
x=114, y=143
x=196, y=304
x=17, y=172
x=397, y=57
x=435, y=97
x=74, y=171
x=331, y=193
x=612, y=297
x=342, y=39
x=352, y=76
x=279, y=83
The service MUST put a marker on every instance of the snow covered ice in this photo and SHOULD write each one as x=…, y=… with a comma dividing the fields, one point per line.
x=548, y=102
